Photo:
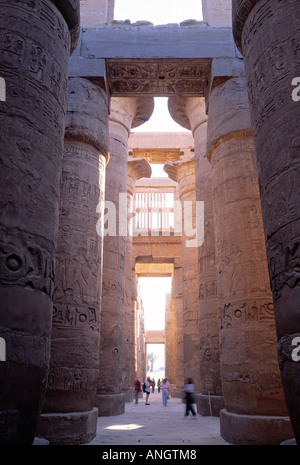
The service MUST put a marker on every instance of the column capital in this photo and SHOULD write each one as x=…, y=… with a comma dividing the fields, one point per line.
x=240, y=12
x=130, y=112
x=183, y=172
x=70, y=9
x=229, y=113
x=87, y=122
x=137, y=168
x=189, y=112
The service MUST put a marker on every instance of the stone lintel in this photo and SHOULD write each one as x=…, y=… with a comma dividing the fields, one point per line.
x=87, y=67
x=156, y=155
x=157, y=42
x=148, y=60
x=155, y=337
x=136, y=77
x=154, y=269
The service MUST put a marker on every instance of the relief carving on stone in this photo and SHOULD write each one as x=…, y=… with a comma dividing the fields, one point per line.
x=158, y=77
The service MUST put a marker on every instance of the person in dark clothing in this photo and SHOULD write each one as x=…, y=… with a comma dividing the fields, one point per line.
x=137, y=389
x=189, y=398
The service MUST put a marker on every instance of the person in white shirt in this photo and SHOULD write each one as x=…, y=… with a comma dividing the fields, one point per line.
x=147, y=390
x=165, y=388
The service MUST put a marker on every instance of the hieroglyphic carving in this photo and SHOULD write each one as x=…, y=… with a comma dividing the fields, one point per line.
x=34, y=59
x=158, y=77
x=247, y=313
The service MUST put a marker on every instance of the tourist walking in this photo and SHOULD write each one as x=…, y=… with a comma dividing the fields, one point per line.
x=137, y=389
x=165, y=388
x=189, y=397
x=148, y=384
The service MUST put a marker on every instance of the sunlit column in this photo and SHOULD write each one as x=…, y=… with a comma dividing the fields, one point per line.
x=125, y=113
x=191, y=114
x=183, y=172
x=255, y=410
x=137, y=168
x=176, y=292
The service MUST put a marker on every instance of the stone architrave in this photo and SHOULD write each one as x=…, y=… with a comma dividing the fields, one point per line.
x=267, y=34
x=69, y=415
x=125, y=113
x=36, y=39
x=255, y=411
x=137, y=168
x=183, y=172
x=191, y=114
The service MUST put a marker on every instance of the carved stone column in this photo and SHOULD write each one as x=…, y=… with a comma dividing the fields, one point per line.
x=190, y=113
x=137, y=168
x=267, y=34
x=255, y=411
x=176, y=292
x=36, y=39
x=183, y=172
x=125, y=113
x=69, y=414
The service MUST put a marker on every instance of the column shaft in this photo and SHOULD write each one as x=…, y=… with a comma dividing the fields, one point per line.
x=183, y=172
x=137, y=168
x=250, y=375
x=69, y=415
x=35, y=44
x=267, y=34
x=110, y=399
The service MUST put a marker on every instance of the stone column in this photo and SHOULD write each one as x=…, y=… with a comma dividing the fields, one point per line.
x=170, y=340
x=137, y=168
x=125, y=114
x=183, y=172
x=36, y=39
x=69, y=414
x=267, y=34
x=178, y=317
x=191, y=114
x=255, y=411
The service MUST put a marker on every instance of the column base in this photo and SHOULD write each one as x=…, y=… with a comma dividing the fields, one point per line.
x=177, y=392
x=72, y=428
x=110, y=404
x=289, y=442
x=254, y=429
x=128, y=393
x=209, y=406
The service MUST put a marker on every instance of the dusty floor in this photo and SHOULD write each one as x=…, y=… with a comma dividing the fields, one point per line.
x=155, y=424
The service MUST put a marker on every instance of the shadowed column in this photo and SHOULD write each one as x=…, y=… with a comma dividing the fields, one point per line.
x=36, y=39
x=255, y=411
x=267, y=34
x=125, y=114
x=69, y=414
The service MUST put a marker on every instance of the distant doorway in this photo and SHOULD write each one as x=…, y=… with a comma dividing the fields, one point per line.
x=155, y=361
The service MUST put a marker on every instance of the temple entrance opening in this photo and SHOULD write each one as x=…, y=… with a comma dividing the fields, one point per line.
x=155, y=362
